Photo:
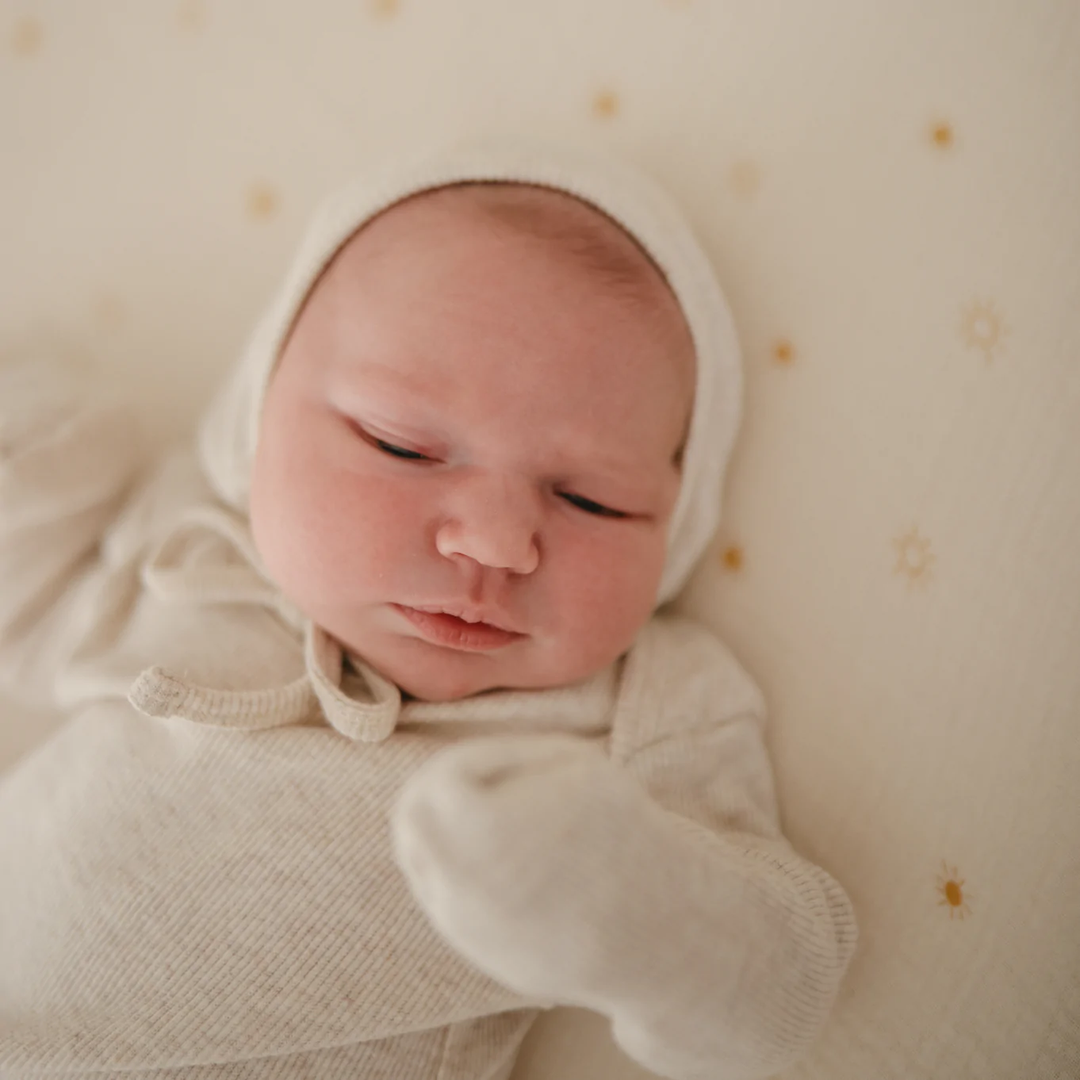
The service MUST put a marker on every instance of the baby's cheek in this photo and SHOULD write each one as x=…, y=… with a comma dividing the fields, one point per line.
x=611, y=591
x=389, y=523
x=289, y=531
x=381, y=527
x=365, y=535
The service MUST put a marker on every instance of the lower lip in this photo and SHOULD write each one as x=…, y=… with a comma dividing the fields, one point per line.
x=456, y=633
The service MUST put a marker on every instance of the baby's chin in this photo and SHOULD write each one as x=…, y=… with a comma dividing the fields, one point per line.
x=437, y=694
x=451, y=680
x=425, y=672
x=442, y=688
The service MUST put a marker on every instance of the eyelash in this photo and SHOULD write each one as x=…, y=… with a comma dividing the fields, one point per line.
x=587, y=506
x=400, y=452
x=594, y=509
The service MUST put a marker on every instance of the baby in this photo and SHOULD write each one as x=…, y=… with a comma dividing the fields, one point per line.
x=380, y=741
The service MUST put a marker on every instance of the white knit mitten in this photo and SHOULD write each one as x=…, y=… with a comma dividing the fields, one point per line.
x=520, y=849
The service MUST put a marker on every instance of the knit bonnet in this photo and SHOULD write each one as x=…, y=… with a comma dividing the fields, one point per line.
x=229, y=432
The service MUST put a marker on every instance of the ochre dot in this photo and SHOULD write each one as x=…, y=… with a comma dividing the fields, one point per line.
x=191, y=14
x=745, y=178
x=953, y=895
x=384, y=9
x=262, y=201
x=914, y=559
x=26, y=37
x=606, y=104
x=941, y=134
x=109, y=312
x=732, y=557
x=783, y=351
x=983, y=328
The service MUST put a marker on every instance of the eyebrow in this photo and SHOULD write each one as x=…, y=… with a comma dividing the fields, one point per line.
x=403, y=393
x=388, y=374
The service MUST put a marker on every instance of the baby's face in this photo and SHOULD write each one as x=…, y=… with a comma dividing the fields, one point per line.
x=466, y=419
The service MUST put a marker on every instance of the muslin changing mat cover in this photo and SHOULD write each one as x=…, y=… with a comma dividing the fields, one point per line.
x=199, y=867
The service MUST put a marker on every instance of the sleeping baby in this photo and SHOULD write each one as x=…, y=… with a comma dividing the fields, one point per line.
x=381, y=737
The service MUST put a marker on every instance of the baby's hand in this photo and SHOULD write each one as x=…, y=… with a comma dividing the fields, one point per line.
x=516, y=846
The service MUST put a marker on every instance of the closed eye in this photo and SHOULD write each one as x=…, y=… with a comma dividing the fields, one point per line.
x=400, y=451
x=587, y=506
x=590, y=507
x=386, y=447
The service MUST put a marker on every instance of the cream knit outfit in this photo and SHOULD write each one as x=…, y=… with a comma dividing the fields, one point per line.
x=245, y=856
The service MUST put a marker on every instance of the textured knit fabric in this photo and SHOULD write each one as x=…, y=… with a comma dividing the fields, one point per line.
x=245, y=856
x=228, y=435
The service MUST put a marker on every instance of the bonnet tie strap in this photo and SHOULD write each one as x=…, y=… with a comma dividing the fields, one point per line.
x=157, y=693
x=370, y=720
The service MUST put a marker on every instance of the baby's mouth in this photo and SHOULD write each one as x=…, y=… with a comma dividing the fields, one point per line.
x=442, y=628
x=470, y=617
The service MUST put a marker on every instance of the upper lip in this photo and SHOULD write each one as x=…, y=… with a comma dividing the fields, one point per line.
x=469, y=614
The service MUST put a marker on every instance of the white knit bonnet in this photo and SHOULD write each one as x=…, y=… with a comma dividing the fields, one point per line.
x=229, y=431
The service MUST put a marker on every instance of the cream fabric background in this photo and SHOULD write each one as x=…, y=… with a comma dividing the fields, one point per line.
x=890, y=194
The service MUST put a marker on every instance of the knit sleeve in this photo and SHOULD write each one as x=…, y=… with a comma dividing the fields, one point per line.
x=649, y=881
x=739, y=943
x=69, y=453
x=741, y=957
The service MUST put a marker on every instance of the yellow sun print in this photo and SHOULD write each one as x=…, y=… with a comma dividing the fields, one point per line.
x=262, y=201
x=733, y=558
x=26, y=37
x=942, y=134
x=109, y=312
x=745, y=178
x=914, y=558
x=983, y=329
x=605, y=104
x=951, y=887
x=784, y=351
x=191, y=14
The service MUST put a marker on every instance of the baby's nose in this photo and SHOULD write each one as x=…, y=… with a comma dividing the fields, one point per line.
x=493, y=522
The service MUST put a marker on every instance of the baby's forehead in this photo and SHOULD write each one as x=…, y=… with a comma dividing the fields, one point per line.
x=556, y=220
x=546, y=219
x=563, y=221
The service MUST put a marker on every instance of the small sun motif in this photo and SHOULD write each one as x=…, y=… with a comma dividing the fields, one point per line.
x=783, y=352
x=733, y=558
x=191, y=14
x=262, y=201
x=745, y=178
x=109, y=312
x=26, y=38
x=914, y=557
x=942, y=134
x=951, y=887
x=605, y=104
x=384, y=9
x=983, y=329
